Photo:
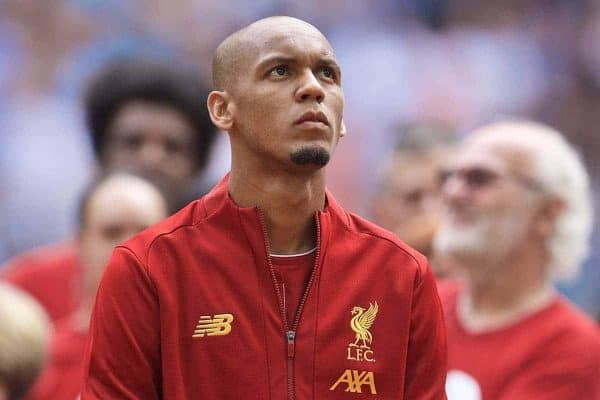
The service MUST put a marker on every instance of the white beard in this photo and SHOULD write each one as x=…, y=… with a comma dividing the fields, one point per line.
x=489, y=237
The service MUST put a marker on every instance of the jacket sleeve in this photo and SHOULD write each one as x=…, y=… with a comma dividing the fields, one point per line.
x=122, y=359
x=426, y=360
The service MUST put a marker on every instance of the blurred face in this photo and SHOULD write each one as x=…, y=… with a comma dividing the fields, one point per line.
x=155, y=142
x=116, y=212
x=407, y=203
x=489, y=204
x=288, y=106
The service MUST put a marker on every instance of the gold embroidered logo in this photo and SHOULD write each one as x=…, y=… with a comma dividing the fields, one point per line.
x=355, y=380
x=361, y=322
x=219, y=325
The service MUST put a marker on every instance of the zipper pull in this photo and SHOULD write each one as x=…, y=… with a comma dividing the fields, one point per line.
x=291, y=344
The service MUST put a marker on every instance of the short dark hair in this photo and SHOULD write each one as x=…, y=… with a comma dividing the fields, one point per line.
x=126, y=80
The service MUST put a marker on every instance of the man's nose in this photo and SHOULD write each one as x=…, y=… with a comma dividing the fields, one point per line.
x=310, y=89
x=454, y=190
x=151, y=156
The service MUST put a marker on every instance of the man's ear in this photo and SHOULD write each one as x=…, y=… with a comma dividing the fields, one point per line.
x=343, y=129
x=219, y=108
x=549, y=214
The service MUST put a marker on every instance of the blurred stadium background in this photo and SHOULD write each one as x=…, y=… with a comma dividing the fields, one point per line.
x=458, y=62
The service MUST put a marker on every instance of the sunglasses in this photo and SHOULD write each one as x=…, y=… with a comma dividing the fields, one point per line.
x=478, y=178
x=474, y=178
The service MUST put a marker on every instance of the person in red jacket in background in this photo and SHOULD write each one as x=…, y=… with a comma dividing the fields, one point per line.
x=517, y=214
x=113, y=209
x=144, y=118
x=266, y=287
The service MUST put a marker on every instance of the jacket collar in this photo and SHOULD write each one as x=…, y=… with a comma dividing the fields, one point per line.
x=218, y=199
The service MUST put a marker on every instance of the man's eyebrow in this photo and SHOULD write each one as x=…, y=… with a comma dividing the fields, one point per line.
x=330, y=62
x=280, y=59
x=276, y=59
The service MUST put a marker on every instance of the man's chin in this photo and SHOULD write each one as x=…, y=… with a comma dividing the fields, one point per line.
x=315, y=156
x=460, y=243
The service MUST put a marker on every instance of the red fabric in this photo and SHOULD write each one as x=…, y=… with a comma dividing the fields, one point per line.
x=293, y=274
x=553, y=354
x=62, y=376
x=50, y=274
x=211, y=259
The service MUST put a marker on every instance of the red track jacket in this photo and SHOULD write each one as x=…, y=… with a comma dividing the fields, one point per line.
x=190, y=309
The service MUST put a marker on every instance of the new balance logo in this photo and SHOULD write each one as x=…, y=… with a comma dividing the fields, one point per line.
x=355, y=380
x=218, y=325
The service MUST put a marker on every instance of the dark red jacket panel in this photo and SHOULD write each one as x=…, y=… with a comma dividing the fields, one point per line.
x=210, y=260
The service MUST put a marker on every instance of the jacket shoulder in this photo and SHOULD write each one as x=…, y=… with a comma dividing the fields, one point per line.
x=190, y=215
x=385, y=238
x=42, y=257
x=48, y=262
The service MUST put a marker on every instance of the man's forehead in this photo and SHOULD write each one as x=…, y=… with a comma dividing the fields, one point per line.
x=285, y=35
x=281, y=25
x=273, y=37
x=496, y=152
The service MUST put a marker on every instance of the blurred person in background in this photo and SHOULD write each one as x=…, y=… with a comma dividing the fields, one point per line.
x=113, y=209
x=24, y=335
x=406, y=202
x=146, y=118
x=516, y=215
x=149, y=118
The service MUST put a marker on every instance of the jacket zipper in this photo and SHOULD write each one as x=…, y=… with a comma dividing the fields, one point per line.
x=290, y=333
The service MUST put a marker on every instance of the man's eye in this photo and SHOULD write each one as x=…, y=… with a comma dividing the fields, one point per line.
x=132, y=142
x=173, y=146
x=328, y=72
x=112, y=232
x=280, y=70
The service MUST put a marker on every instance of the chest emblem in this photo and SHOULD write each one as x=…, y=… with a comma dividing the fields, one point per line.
x=217, y=325
x=361, y=323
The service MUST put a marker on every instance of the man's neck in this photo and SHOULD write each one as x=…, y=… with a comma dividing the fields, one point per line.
x=504, y=294
x=288, y=202
x=81, y=318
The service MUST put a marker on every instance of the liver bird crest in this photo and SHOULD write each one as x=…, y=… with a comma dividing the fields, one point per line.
x=361, y=323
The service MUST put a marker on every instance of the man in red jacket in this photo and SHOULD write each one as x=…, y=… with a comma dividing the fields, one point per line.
x=517, y=215
x=266, y=288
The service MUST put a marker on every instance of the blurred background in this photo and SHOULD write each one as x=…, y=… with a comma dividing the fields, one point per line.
x=458, y=63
